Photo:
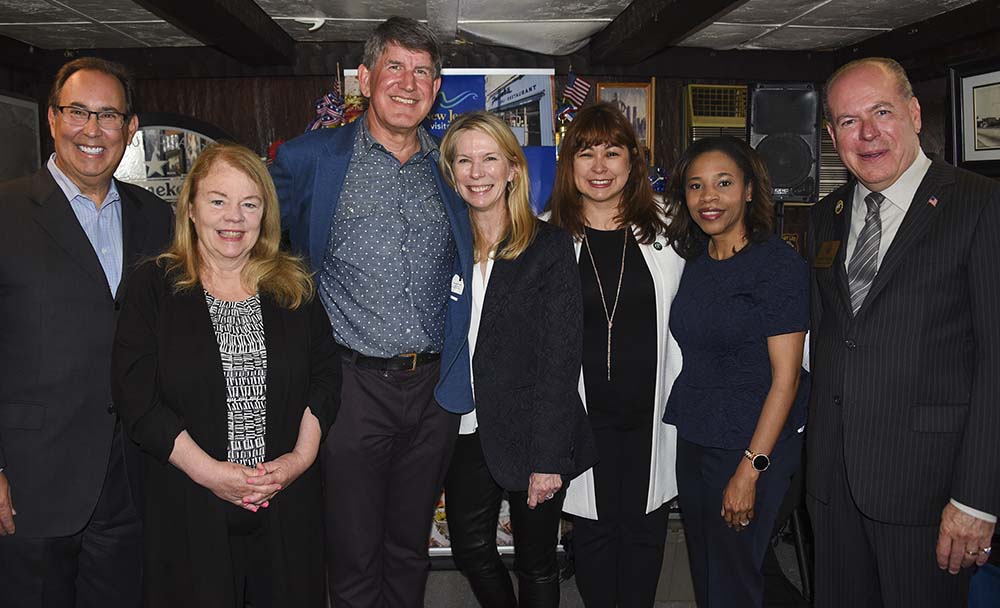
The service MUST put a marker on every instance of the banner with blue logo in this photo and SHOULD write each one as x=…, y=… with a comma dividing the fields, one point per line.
x=458, y=95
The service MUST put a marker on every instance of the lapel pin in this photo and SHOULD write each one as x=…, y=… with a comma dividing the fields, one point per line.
x=657, y=245
x=838, y=207
x=932, y=201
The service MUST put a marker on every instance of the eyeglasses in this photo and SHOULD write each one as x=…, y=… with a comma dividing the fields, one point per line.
x=106, y=119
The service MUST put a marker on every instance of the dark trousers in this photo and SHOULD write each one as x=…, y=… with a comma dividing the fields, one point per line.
x=472, y=503
x=250, y=558
x=383, y=465
x=863, y=563
x=725, y=563
x=99, y=566
x=618, y=556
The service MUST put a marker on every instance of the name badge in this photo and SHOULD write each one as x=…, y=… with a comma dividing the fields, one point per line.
x=457, y=287
x=827, y=252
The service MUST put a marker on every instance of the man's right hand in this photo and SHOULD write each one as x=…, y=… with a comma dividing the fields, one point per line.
x=7, y=511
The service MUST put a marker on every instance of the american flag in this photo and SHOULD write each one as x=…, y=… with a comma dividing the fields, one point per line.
x=576, y=91
x=329, y=109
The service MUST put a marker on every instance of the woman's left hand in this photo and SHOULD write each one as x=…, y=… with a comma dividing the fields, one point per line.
x=542, y=487
x=738, y=498
x=271, y=477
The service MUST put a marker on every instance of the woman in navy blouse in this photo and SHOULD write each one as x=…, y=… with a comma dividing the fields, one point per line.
x=740, y=317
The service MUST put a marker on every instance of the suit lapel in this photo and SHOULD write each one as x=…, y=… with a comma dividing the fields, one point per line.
x=841, y=231
x=133, y=235
x=55, y=215
x=918, y=220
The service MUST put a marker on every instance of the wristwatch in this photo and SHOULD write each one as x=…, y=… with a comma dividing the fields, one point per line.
x=760, y=462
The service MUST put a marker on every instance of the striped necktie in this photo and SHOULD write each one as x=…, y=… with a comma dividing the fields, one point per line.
x=864, y=262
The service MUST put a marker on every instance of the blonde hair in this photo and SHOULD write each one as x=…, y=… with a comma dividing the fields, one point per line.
x=268, y=269
x=521, y=228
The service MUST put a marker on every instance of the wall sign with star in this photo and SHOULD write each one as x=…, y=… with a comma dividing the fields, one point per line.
x=163, y=150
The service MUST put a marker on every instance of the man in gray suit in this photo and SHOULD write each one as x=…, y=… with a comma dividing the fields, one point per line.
x=903, y=473
x=70, y=531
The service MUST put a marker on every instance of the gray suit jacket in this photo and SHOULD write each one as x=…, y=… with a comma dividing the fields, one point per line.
x=909, y=388
x=57, y=321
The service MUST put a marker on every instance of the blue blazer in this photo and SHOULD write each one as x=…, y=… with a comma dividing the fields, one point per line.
x=309, y=174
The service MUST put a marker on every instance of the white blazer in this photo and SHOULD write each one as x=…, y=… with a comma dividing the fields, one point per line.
x=666, y=268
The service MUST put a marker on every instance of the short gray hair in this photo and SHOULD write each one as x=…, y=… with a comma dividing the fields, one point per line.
x=894, y=69
x=407, y=33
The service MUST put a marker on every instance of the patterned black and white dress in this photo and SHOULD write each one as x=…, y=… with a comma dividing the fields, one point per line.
x=239, y=330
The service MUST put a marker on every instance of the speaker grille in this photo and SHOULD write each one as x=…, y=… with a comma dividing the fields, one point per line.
x=788, y=159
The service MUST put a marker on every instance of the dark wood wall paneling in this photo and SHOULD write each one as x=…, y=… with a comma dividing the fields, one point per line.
x=255, y=111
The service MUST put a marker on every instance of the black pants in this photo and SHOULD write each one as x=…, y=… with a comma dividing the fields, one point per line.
x=619, y=555
x=472, y=503
x=383, y=465
x=726, y=564
x=99, y=566
x=250, y=558
x=863, y=563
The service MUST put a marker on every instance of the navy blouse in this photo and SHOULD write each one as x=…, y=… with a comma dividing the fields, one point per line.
x=722, y=315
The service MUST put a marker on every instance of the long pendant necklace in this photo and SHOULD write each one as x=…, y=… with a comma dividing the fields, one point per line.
x=610, y=317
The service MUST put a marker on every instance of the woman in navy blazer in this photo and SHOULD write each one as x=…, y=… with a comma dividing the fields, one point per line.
x=528, y=432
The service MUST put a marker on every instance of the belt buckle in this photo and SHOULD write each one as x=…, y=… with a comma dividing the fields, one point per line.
x=413, y=366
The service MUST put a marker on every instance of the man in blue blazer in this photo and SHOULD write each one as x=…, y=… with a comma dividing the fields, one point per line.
x=390, y=243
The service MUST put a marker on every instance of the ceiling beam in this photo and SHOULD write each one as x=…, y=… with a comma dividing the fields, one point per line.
x=934, y=35
x=646, y=27
x=442, y=17
x=238, y=28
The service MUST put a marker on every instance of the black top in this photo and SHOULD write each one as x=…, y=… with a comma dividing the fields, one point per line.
x=722, y=316
x=627, y=400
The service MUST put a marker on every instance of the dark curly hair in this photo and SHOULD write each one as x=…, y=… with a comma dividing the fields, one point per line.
x=684, y=234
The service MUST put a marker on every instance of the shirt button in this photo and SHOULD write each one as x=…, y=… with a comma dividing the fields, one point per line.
x=407, y=331
x=851, y=344
x=104, y=250
x=406, y=289
x=836, y=399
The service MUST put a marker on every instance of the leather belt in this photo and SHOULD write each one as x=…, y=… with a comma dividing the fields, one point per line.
x=406, y=362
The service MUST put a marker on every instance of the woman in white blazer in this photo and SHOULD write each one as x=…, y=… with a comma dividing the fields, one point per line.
x=629, y=275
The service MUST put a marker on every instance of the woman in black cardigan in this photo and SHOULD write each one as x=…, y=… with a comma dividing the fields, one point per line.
x=528, y=433
x=224, y=372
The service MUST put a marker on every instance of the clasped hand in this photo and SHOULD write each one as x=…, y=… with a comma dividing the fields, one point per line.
x=253, y=488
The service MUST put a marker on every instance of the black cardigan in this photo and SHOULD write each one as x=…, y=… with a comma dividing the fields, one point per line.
x=527, y=365
x=167, y=377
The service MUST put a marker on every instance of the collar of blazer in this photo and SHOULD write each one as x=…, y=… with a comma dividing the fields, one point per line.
x=935, y=186
x=55, y=216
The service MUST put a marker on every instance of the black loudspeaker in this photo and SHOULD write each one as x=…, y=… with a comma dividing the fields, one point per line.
x=784, y=129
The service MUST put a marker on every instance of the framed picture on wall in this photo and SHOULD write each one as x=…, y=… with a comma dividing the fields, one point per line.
x=635, y=100
x=974, y=136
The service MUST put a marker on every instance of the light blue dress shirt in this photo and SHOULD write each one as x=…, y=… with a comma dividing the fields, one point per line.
x=103, y=225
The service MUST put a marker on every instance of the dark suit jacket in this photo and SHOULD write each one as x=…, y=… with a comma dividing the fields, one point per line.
x=57, y=319
x=527, y=364
x=309, y=174
x=910, y=387
x=167, y=377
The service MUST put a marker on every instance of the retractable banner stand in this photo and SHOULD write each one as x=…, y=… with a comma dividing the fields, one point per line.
x=523, y=98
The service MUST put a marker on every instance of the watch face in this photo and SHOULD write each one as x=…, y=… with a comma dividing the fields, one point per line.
x=761, y=462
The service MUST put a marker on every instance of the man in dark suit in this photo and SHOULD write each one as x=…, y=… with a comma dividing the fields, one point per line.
x=70, y=532
x=385, y=235
x=903, y=470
